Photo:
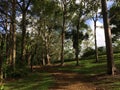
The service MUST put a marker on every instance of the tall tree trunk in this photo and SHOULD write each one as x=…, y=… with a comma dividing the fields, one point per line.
x=32, y=57
x=14, y=32
x=1, y=58
x=47, y=54
x=63, y=32
x=11, y=46
x=47, y=57
x=109, y=49
x=23, y=43
x=7, y=40
x=62, y=49
x=77, y=40
x=96, y=49
x=29, y=58
x=1, y=76
x=43, y=59
x=31, y=62
x=48, y=47
x=24, y=9
x=77, y=46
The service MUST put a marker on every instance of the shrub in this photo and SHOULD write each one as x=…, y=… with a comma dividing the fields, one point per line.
x=10, y=73
x=88, y=52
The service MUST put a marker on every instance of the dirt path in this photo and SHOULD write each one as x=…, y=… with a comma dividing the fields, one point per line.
x=65, y=80
x=70, y=81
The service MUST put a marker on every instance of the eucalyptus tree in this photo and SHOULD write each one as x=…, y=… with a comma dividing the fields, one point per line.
x=48, y=23
x=81, y=11
x=64, y=5
x=5, y=22
x=23, y=6
x=95, y=16
x=2, y=36
x=1, y=56
x=110, y=59
x=114, y=15
x=10, y=16
x=13, y=22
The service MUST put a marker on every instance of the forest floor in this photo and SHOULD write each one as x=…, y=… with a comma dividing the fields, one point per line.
x=87, y=76
x=68, y=80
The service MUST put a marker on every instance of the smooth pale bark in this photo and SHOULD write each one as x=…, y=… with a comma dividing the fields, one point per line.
x=47, y=59
x=43, y=59
x=46, y=40
x=108, y=40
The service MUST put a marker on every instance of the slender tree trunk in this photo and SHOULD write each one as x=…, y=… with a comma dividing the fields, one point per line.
x=77, y=40
x=31, y=62
x=11, y=46
x=43, y=59
x=7, y=40
x=14, y=32
x=23, y=43
x=1, y=76
x=1, y=59
x=96, y=49
x=77, y=46
x=47, y=59
x=62, y=49
x=47, y=54
x=63, y=32
x=109, y=49
x=7, y=48
x=32, y=57
x=29, y=58
x=24, y=8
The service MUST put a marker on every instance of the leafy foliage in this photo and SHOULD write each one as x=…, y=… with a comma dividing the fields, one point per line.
x=114, y=20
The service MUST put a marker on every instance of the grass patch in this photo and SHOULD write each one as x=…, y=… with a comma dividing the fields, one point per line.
x=86, y=67
x=34, y=81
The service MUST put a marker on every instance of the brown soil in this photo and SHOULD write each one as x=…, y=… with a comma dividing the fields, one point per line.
x=70, y=81
x=65, y=80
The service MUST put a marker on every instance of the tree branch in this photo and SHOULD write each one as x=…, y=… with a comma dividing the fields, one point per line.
x=2, y=11
x=20, y=5
x=27, y=5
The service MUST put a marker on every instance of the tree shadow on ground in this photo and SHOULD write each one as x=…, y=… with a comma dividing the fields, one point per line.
x=93, y=77
x=34, y=81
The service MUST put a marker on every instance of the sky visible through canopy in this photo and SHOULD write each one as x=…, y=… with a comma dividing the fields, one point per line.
x=99, y=31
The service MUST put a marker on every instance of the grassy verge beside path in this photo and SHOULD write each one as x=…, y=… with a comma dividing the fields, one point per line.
x=34, y=81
